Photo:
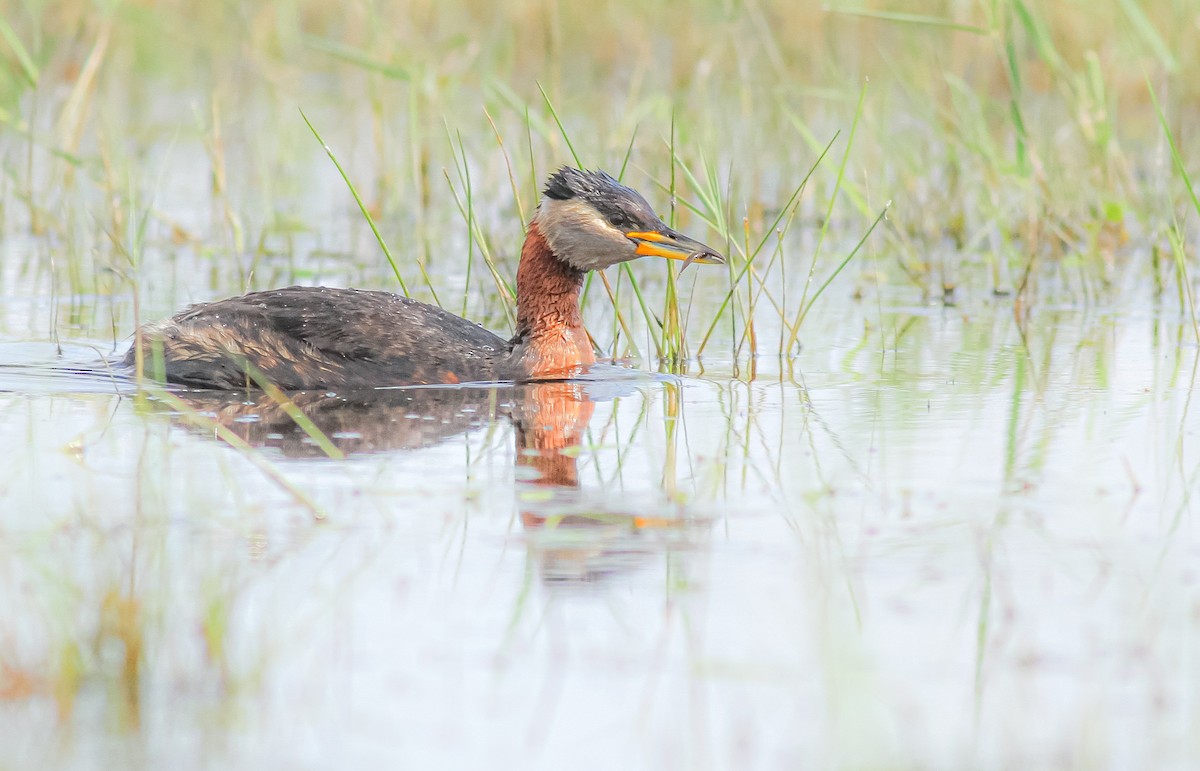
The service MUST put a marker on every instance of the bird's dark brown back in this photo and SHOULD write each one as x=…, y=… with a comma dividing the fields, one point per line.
x=320, y=337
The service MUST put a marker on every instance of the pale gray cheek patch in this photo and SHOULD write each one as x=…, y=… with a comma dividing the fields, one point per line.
x=580, y=237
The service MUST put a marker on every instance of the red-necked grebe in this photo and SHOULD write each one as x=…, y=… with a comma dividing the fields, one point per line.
x=317, y=337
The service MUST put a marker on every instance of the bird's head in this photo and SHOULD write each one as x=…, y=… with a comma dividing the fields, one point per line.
x=592, y=221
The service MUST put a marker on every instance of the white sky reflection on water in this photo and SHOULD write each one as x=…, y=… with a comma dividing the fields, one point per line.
x=957, y=552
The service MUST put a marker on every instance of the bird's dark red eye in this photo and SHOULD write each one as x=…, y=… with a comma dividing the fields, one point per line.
x=620, y=220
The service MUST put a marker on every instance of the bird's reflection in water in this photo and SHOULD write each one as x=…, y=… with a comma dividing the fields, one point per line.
x=355, y=422
x=575, y=534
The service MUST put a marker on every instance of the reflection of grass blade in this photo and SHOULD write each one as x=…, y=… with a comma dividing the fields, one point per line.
x=1175, y=235
x=1012, y=436
x=672, y=407
x=302, y=421
x=236, y=442
x=260, y=379
x=361, y=206
x=983, y=624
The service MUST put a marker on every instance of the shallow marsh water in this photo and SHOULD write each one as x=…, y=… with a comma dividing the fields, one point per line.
x=966, y=543
x=942, y=536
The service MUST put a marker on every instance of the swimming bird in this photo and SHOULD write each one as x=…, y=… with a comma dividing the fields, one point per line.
x=302, y=338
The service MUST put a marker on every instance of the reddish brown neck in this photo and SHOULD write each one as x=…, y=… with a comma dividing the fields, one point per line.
x=547, y=289
x=551, y=340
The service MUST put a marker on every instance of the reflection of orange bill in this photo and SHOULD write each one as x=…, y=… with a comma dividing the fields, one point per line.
x=653, y=522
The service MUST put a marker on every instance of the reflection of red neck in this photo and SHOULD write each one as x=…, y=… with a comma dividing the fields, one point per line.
x=550, y=419
x=551, y=340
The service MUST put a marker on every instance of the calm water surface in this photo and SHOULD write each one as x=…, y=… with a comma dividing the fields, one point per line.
x=939, y=538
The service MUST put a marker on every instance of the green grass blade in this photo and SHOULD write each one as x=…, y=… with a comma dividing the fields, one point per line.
x=750, y=258
x=841, y=174
x=1149, y=35
x=628, y=153
x=911, y=18
x=1175, y=156
x=562, y=129
x=256, y=458
x=1175, y=235
x=820, y=290
x=28, y=68
x=361, y=206
x=352, y=55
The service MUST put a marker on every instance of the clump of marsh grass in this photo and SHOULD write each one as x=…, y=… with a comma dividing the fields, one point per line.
x=993, y=126
x=1176, y=232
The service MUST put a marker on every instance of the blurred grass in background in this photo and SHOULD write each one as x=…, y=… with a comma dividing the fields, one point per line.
x=156, y=150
